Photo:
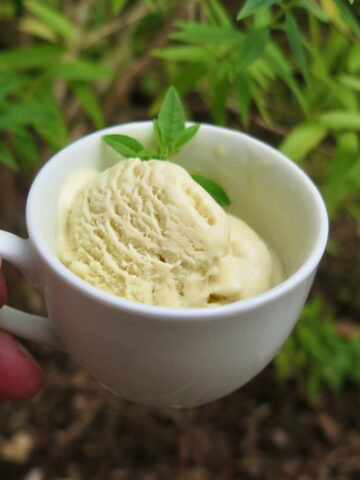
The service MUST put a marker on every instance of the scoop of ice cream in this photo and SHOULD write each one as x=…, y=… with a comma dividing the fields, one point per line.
x=247, y=270
x=146, y=231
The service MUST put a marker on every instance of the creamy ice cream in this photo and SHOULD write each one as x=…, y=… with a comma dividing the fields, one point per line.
x=146, y=231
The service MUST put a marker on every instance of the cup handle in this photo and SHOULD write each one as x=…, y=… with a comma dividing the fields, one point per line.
x=29, y=327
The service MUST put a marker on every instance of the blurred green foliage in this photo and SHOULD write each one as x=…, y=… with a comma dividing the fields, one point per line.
x=317, y=356
x=292, y=67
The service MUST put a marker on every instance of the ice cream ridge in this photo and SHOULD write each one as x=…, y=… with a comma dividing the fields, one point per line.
x=147, y=232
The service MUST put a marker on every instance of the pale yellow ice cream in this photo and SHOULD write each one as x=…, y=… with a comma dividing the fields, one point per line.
x=146, y=231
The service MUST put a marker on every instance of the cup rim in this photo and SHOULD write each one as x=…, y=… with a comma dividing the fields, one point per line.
x=164, y=313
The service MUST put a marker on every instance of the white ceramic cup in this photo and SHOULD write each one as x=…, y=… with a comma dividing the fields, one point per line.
x=162, y=356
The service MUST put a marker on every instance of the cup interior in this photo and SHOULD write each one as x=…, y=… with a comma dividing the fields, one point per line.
x=266, y=189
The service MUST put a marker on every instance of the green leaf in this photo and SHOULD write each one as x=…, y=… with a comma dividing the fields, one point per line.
x=187, y=77
x=353, y=61
x=217, y=13
x=54, y=128
x=348, y=16
x=304, y=138
x=6, y=158
x=347, y=98
x=242, y=94
x=185, y=137
x=295, y=36
x=89, y=102
x=338, y=184
x=30, y=57
x=334, y=49
x=157, y=132
x=252, y=47
x=262, y=18
x=26, y=112
x=354, y=175
x=117, y=6
x=213, y=188
x=183, y=53
x=251, y=6
x=127, y=146
x=282, y=68
x=219, y=87
x=171, y=118
x=35, y=28
x=313, y=8
x=261, y=105
x=11, y=83
x=145, y=155
x=350, y=81
x=80, y=70
x=53, y=19
x=26, y=149
x=340, y=120
x=206, y=34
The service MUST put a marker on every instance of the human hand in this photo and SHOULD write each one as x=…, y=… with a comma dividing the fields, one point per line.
x=20, y=376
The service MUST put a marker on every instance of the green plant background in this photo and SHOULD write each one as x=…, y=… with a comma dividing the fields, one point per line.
x=287, y=71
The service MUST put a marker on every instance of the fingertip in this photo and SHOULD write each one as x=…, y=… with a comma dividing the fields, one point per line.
x=20, y=376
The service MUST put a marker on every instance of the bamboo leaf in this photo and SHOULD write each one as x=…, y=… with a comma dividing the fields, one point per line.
x=89, y=103
x=348, y=16
x=36, y=28
x=281, y=67
x=251, y=6
x=242, y=95
x=313, y=8
x=11, y=83
x=294, y=36
x=347, y=98
x=213, y=188
x=353, y=61
x=6, y=158
x=30, y=57
x=187, y=77
x=252, y=47
x=198, y=33
x=79, y=70
x=218, y=13
x=338, y=183
x=26, y=150
x=340, y=120
x=219, y=87
x=260, y=103
x=304, y=138
x=262, y=18
x=117, y=6
x=53, y=19
x=351, y=81
x=53, y=129
x=26, y=112
x=182, y=53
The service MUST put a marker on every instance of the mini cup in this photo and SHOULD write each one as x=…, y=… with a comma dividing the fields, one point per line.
x=168, y=357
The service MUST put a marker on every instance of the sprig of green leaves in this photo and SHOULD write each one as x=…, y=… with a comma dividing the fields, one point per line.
x=171, y=134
